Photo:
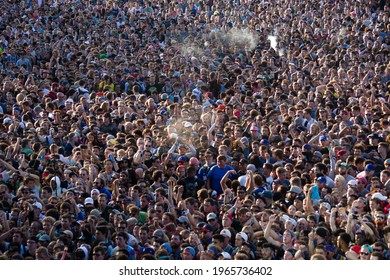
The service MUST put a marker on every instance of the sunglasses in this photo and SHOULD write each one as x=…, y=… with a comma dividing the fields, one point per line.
x=364, y=253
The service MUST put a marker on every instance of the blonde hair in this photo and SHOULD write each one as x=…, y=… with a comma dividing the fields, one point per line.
x=339, y=177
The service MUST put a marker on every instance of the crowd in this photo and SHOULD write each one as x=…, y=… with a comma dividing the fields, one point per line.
x=194, y=129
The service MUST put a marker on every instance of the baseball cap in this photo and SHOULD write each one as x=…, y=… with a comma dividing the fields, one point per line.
x=317, y=154
x=352, y=183
x=183, y=219
x=183, y=159
x=226, y=255
x=132, y=221
x=251, y=167
x=88, y=200
x=298, y=121
x=68, y=233
x=187, y=124
x=44, y=237
x=38, y=205
x=341, y=153
x=344, y=164
x=321, y=179
x=264, y=142
x=148, y=250
x=230, y=216
x=200, y=225
x=380, y=196
x=191, y=249
x=167, y=246
x=95, y=191
x=370, y=167
x=362, y=179
x=243, y=235
x=225, y=232
x=95, y=212
x=237, y=113
x=295, y=189
x=221, y=107
x=326, y=205
x=292, y=221
x=206, y=227
x=7, y=120
x=307, y=147
x=158, y=233
x=211, y=216
x=356, y=248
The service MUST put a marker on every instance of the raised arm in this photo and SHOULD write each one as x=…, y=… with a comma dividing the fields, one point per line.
x=267, y=232
x=249, y=183
x=225, y=178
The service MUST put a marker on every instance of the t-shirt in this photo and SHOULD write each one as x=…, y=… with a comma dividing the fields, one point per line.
x=191, y=186
x=215, y=175
x=315, y=195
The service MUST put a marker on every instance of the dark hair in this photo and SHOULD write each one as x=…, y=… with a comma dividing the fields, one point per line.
x=219, y=237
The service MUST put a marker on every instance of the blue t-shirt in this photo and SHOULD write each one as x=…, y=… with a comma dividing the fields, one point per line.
x=215, y=175
x=315, y=193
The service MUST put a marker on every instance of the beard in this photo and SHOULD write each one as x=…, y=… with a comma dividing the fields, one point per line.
x=175, y=246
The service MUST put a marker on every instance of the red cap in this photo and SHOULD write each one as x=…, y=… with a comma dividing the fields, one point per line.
x=356, y=249
x=341, y=153
x=209, y=94
x=220, y=107
x=237, y=113
x=364, y=180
